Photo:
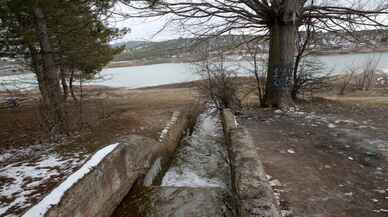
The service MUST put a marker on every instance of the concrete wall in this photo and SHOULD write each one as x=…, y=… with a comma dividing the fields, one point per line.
x=254, y=194
x=100, y=191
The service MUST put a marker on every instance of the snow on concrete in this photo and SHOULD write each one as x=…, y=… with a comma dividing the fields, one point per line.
x=153, y=172
x=171, y=123
x=55, y=196
x=235, y=121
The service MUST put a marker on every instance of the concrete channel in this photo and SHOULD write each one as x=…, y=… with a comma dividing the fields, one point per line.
x=196, y=183
x=209, y=169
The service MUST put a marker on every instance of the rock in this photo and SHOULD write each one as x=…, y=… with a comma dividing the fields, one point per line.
x=278, y=111
x=286, y=213
x=348, y=194
x=275, y=182
x=380, y=191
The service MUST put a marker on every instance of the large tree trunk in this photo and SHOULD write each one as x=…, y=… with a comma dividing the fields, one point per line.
x=282, y=49
x=280, y=65
x=48, y=77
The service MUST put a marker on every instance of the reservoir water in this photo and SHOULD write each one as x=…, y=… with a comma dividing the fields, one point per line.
x=168, y=73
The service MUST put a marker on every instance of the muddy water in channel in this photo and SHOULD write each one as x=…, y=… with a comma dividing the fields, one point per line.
x=201, y=159
x=197, y=183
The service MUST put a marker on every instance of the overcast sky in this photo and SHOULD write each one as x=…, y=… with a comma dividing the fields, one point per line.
x=146, y=29
x=142, y=29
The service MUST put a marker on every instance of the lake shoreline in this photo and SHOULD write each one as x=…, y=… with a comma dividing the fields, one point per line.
x=318, y=53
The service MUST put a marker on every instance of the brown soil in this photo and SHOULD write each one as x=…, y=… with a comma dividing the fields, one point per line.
x=331, y=159
x=104, y=115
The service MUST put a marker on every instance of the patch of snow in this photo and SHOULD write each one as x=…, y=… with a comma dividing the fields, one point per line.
x=275, y=182
x=330, y=125
x=55, y=196
x=350, y=158
x=278, y=111
x=381, y=210
x=380, y=191
x=285, y=213
x=349, y=121
x=5, y=156
x=26, y=176
x=235, y=121
x=291, y=151
x=348, y=194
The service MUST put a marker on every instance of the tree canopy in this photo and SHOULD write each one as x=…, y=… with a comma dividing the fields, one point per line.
x=54, y=36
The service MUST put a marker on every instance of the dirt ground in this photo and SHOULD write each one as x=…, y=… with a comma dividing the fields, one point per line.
x=31, y=165
x=326, y=158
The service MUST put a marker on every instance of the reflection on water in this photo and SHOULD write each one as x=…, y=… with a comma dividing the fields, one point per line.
x=340, y=63
x=149, y=75
x=201, y=159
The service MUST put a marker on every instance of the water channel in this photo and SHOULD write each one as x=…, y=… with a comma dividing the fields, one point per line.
x=197, y=182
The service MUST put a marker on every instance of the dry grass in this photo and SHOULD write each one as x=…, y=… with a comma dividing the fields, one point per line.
x=106, y=114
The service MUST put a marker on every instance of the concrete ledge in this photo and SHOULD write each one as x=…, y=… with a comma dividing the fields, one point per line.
x=255, y=195
x=101, y=189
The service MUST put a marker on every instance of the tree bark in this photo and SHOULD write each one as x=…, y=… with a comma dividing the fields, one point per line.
x=282, y=49
x=48, y=77
x=280, y=65
x=72, y=86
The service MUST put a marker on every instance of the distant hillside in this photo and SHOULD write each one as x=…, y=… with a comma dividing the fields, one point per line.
x=176, y=48
x=130, y=44
x=144, y=52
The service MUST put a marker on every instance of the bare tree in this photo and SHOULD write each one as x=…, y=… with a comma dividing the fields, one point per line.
x=310, y=76
x=278, y=19
x=366, y=79
x=253, y=48
x=219, y=82
x=346, y=81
